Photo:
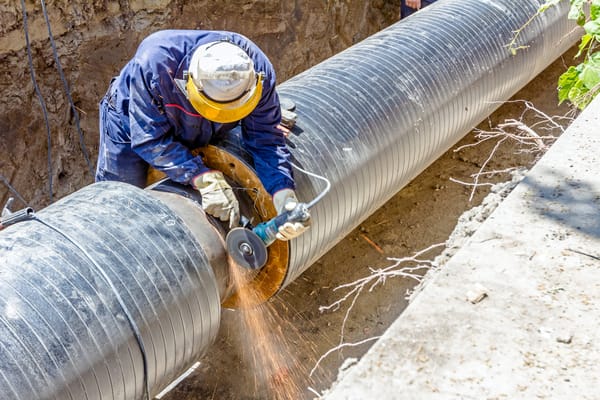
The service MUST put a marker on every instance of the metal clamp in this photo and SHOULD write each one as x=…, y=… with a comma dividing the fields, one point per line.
x=8, y=217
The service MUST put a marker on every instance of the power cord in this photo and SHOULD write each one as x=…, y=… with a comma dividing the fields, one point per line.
x=321, y=177
x=67, y=90
x=41, y=100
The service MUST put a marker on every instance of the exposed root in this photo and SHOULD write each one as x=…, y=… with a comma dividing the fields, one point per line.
x=525, y=136
x=407, y=267
x=339, y=347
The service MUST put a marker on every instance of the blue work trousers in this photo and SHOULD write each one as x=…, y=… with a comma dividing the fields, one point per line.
x=116, y=160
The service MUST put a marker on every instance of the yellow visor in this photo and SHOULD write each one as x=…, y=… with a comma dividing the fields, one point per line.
x=225, y=112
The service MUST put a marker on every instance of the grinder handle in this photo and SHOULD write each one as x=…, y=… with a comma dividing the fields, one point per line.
x=267, y=231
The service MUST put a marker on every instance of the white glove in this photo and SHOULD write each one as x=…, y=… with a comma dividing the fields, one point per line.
x=285, y=200
x=218, y=199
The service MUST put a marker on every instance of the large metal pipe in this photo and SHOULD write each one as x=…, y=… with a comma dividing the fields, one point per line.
x=113, y=269
x=104, y=289
x=376, y=115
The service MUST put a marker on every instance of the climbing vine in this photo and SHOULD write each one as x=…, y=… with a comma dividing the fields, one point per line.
x=581, y=83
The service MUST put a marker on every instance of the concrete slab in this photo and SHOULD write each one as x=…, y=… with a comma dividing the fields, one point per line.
x=536, y=335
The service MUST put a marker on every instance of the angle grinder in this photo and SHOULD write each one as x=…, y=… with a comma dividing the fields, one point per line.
x=248, y=247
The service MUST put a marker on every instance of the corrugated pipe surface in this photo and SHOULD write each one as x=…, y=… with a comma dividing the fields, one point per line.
x=80, y=282
x=376, y=115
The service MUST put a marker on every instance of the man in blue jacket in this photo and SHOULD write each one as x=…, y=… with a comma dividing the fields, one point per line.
x=180, y=89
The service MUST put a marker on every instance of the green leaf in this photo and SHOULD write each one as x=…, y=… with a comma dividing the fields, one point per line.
x=576, y=11
x=580, y=84
x=585, y=41
x=577, y=95
x=566, y=82
x=590, y=74
x=592, y=27
x=595, y=9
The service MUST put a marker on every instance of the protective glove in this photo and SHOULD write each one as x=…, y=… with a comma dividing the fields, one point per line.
x=285, y=200
x=218, y=199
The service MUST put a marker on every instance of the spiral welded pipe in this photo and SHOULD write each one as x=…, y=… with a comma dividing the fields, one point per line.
x=376, y=115
x=106, y=294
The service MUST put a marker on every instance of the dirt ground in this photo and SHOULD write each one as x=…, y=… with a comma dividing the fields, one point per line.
x=422, y=214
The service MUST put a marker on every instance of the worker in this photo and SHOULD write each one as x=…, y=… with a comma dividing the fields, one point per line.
x=408, y=7
x=182, y=88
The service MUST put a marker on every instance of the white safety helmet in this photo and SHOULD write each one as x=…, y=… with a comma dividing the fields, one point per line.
x=222, y=84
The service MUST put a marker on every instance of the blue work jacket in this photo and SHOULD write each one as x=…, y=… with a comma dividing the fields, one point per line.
x=162, y=125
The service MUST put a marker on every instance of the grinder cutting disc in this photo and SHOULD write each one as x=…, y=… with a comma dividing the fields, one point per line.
x=246, y=248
